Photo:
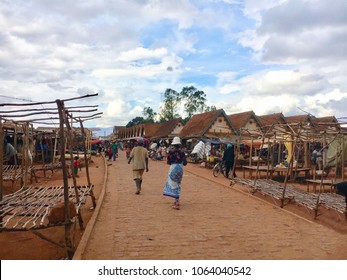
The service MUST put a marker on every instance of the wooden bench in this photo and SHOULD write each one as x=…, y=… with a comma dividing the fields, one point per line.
x=252, y=168
x=270, y=170
x=316, y=182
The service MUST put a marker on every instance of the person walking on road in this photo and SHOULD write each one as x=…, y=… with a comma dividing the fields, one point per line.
x=114, y=148
x=176, y=159
x=76, y=165
x=139, y=156
x=229, y=159
x=109, y=152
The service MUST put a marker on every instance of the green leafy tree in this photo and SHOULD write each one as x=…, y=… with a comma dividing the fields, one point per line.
x=194, y=100
x=135, y=121
x=171, y=104
x=149, y=115
x=210, y=108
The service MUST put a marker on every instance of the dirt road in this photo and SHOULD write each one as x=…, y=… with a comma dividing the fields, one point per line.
x=215, y=222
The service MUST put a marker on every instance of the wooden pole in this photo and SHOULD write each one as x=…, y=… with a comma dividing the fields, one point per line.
x=280, y=152
x=87, y=164
x=273, y=147
x=25, y=155
x=42, y=154
x=236, y=154
x=343, y=158
x=15, y=144
x=338, y=157
x=16, y=157
x=68, y=243
x=55, y=146
x=70, y=144
x=324, y=150
x=258, y=163
x=305, y=155
x=1, y=157
x=251, y=152
x=289, y=168
x=295, y=155
x=268, y=159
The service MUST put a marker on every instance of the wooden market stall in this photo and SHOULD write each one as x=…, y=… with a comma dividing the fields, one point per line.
x=299, y=139
x=32, y=208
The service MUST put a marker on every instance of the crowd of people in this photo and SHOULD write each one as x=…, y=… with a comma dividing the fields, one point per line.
x=139, y=150
x=137, y=154
x=172, y=152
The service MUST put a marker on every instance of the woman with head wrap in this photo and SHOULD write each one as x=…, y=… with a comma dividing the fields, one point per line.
x=176, y=159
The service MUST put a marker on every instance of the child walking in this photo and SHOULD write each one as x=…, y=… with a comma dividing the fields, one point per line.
x=75, y=166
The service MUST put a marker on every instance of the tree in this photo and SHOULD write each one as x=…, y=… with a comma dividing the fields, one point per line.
x=194, y=100
x=149, y=114
x=135, y=121
x=171, y=104
x=210, y=108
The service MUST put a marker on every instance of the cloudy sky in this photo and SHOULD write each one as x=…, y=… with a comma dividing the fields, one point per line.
x=268, y=56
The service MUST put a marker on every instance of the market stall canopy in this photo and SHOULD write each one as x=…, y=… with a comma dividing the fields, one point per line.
x=256, y=143
x=98, y=141
x=211, y=142
x=201, y=149
x=144, y=139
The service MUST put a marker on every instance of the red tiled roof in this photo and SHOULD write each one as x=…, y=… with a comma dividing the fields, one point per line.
x=240, y=120
x=165, y=129
x=323, y=122
x=298, y=119
x=271, y=119
x=200, y=123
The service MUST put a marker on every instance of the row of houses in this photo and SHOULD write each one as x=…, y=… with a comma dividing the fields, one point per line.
x=246, y=125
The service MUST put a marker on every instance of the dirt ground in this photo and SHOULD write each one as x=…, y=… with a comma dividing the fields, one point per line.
x=216, y=221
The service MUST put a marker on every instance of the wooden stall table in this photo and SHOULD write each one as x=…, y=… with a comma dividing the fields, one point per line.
x=317, y=182
x=16, y=173
x=261, y=168
x=271, y=170
x=295, y=171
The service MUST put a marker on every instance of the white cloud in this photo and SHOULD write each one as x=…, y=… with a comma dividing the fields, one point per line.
x=323, y=99
x=229, y=89
x=271, y=56
x=277, y=103
x=142, y=53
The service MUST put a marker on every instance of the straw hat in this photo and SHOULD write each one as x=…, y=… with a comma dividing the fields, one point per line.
x=176, y=141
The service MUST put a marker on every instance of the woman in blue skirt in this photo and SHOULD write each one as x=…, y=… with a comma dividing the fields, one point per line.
x=176, y=159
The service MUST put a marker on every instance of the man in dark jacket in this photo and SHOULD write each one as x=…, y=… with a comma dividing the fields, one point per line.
x=229, y=159
x=341, y=188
